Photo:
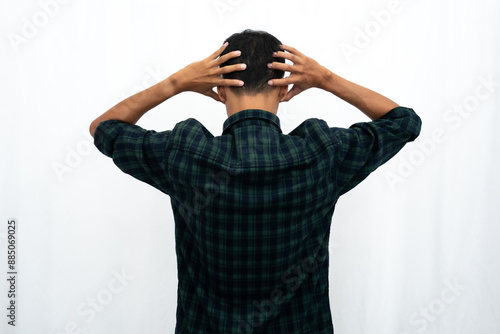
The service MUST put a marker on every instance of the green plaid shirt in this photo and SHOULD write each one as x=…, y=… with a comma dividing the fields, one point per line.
x=253, y=209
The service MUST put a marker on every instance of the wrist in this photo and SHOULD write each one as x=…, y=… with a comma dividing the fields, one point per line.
x=328, y=79
x=174, y=83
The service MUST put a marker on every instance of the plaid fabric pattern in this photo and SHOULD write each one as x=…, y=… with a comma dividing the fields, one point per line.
x=253, y=209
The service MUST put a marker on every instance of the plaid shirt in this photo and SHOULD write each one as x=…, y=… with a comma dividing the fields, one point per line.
x=253, y=209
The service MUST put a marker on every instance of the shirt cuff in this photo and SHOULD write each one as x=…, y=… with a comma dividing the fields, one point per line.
x=407, y=119
x=105, y=135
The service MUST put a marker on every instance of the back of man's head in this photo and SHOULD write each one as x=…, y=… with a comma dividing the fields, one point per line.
x=257, y=49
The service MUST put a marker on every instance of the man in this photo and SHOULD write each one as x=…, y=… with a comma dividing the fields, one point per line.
x=253, y=207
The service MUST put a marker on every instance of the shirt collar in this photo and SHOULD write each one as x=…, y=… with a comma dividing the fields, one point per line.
x=253, y=114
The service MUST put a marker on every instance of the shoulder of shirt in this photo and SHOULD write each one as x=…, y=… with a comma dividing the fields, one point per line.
x=189, y=126
x=310, y=125
x=190, y=134
x=316, y=131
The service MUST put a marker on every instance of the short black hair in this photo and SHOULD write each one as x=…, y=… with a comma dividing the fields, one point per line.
x=257, y=49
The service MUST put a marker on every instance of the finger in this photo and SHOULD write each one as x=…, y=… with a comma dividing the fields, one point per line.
x=291, y=50
x=214, y=95
x=219, y=51
x=229, y=82
x=281, y=66
x=282, y=82
x=228, y=56
x=291, y=93
x=280, y=54
x=232, y=68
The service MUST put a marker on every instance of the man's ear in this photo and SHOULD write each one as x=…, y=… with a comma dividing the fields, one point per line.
x=282, y=93
x=222, y=94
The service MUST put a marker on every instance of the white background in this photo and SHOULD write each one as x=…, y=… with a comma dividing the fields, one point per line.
x=414, y=249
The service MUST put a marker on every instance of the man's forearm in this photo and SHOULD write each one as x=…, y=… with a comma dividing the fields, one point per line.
x=372, y=104
x=133, y=108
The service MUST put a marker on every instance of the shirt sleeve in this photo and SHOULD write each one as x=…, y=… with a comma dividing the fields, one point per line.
x=138, y=152
x=363, y=147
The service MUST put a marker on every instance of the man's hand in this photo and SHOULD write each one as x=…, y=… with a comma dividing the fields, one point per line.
x=305, y=72
x=202, y=76
x=198, y=77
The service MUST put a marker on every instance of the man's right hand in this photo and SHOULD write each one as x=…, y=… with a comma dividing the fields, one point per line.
x=202, y=76
x=305, y=72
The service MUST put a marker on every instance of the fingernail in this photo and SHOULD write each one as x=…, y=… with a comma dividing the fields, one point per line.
x=226, y=44
x=275, y=53
x=270, y=82
x=238, y=53
x=241, y=83
x=243, y=66
x=269, y=65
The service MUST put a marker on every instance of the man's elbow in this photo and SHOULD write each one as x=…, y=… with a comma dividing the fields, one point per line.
x=414, y=125
x=92, y=127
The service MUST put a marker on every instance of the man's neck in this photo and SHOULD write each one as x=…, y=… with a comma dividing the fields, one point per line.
x=259, y=101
